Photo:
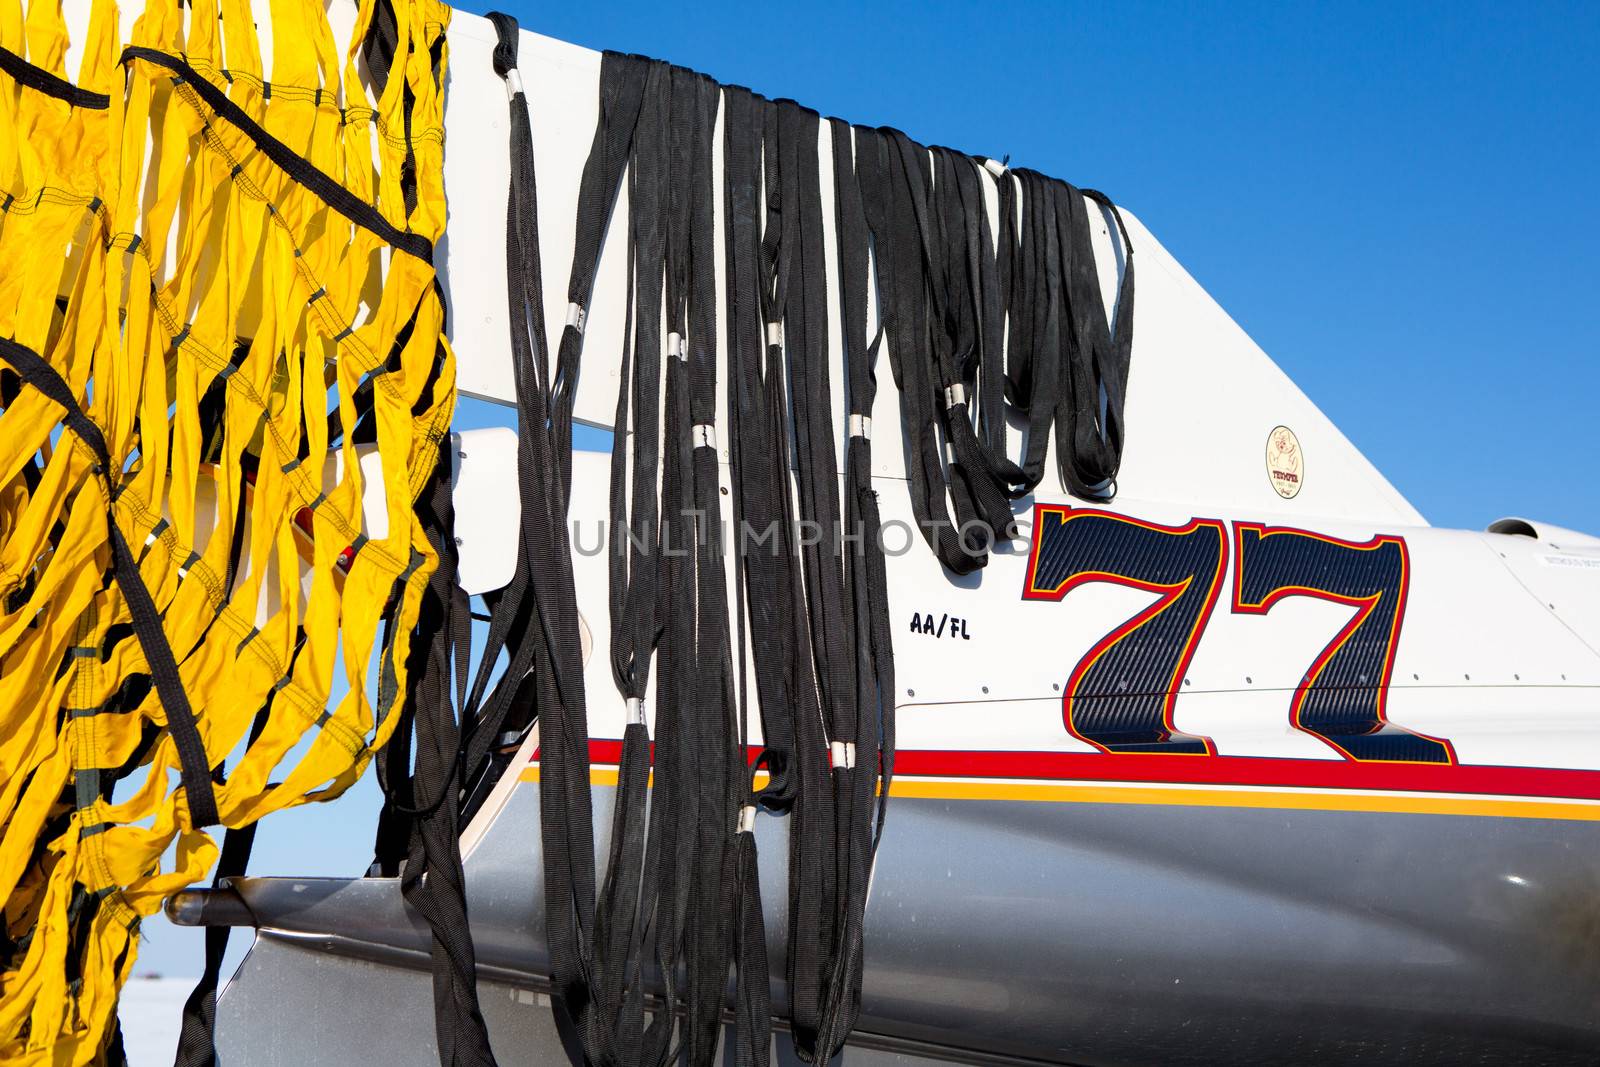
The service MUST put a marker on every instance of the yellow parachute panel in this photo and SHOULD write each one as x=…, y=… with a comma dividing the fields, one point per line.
x=215, y=277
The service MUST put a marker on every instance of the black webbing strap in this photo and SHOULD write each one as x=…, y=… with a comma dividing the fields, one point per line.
x=720, y=772
x=192, y=759
x=296, y=166
x=622, y=83
x=1033, y=358
x=890, y=177
x=816, y=659
x=431, y=879
x=1089, y=414
x=197, y=1038
x=637, y=589
x=539, y=612
x=42, y=81
x=746, y=323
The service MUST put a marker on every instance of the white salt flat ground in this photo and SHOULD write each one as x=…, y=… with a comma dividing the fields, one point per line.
x=151, y=1012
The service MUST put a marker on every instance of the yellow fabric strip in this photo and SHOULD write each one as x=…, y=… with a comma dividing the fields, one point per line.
x=225, y=327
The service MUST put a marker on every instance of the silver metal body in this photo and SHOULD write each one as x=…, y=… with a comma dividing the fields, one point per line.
x=1076, y=933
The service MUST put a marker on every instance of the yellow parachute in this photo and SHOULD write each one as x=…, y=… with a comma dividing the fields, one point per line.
x=215, y=281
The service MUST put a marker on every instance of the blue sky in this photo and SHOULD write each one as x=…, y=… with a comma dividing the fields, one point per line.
x=1397, y=202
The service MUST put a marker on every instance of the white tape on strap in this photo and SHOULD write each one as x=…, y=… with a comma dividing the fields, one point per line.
x=575, y=316
x=861, y=426
x=747, y=819
x=705, y=435
x=775, y=334
x=995, y=167
x=676, y=348
x=635, y=711
x=843, y=754
x=955, y=394
x=950, y=453
x=513, y=83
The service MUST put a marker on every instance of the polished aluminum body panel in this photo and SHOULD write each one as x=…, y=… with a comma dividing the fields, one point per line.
x=1079, y=933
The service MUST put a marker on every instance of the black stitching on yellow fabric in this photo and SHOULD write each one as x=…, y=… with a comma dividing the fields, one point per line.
x=296, y=167
x=363, y=359
x=111, y=707
x=302, y=705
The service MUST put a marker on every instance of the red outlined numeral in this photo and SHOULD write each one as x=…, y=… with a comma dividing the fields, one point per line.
x=1120, y=697
x=1341, y=698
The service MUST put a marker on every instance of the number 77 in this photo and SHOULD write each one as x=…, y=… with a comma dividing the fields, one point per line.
x=1341, y=698
x=1120, y=696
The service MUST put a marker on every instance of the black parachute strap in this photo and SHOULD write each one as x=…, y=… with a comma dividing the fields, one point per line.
x=862, y=760
x=817, y=658
x=546, y=668
x=758, y=424
x=42, y=81
x=982, y=511
x=197, y=1038
x=1033, y=360
x=634, y=507
x=641, y=573
x=1089, y=413
x=988, y=260
x=637, y=562
x=718, y=770
x=746, y=324
x=622, y=86
x=512, y=620
x=378, y=48
x=34, y=371
x=432, y=879
x=902, y=281
x=971, y=287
